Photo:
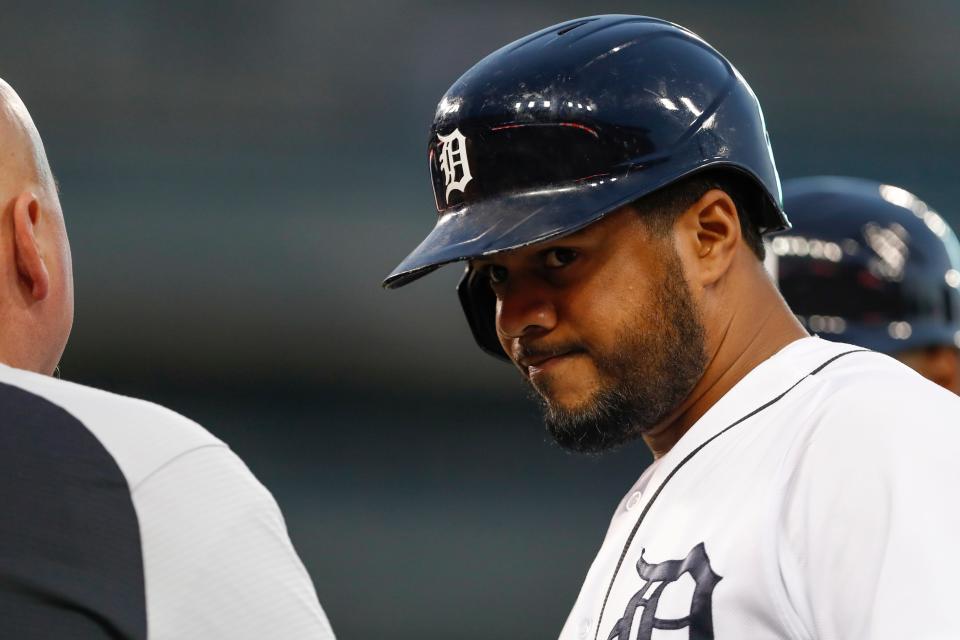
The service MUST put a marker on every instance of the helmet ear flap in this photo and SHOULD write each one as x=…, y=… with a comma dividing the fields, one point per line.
x=479, y=305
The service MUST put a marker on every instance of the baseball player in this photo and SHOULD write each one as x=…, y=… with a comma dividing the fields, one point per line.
x=607, y=182
x=118, y=518
x=871, y=264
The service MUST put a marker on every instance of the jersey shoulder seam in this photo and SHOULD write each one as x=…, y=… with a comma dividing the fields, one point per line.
x=172, y=460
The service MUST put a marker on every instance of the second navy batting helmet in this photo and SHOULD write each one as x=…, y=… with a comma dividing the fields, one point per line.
x=552, y=132
x=870, y=264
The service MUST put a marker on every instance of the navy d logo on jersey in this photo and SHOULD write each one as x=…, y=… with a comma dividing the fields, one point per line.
x=453, y=162
x=658, y=577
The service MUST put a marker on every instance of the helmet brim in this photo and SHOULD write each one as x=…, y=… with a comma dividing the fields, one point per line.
x=525, y=218
x=508, y=222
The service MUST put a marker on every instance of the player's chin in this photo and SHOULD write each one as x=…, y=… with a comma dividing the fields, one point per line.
x=570, y=388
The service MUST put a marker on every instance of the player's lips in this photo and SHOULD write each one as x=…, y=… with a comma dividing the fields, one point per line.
x=536, y=364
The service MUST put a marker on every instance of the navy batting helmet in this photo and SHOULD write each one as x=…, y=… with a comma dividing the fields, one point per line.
x=550, y=133
x=870, y=264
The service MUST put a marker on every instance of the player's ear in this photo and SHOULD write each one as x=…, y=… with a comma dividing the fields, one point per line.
x=31, y=268
x=710, y=228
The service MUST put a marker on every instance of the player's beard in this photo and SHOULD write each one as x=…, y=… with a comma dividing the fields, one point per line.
x=659, y=358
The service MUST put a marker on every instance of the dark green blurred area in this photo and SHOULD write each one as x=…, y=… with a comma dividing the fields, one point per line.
x=239, y=176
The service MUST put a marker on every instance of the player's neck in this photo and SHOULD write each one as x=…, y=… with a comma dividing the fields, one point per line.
x=761, y=327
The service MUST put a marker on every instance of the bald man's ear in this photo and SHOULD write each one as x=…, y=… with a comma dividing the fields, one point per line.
x=30, y=265
x=712, y=225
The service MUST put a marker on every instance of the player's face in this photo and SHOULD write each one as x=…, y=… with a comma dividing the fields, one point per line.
x=602, y=325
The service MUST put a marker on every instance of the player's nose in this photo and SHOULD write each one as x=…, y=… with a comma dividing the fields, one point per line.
x=524, y=309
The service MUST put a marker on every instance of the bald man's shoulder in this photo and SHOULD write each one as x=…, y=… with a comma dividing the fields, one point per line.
x=141, y=519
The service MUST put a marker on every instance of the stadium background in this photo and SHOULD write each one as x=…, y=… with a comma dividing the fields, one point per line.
x=238, y=177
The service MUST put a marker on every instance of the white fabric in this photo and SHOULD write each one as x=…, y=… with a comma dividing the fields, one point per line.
x=218, y=562
x=830, y=515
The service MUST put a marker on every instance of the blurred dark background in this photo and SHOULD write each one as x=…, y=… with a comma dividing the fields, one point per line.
x=239, y=176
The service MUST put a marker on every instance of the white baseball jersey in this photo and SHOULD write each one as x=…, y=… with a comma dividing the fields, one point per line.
x=818, y=499
x=121, y=519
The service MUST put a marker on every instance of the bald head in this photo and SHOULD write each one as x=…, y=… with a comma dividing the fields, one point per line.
x=36, y=280
x=23, y=158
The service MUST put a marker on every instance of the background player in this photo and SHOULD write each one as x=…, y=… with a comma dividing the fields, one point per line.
x=608, y=180
x=872, y=264
x=120, y=519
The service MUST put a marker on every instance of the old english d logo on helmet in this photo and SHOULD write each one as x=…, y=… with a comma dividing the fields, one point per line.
x=569, y=123
x=454, y=163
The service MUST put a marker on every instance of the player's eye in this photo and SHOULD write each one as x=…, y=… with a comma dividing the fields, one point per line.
x=496, y=274
x=559, y=257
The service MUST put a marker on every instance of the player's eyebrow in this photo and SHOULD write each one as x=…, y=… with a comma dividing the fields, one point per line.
x=547, y=245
